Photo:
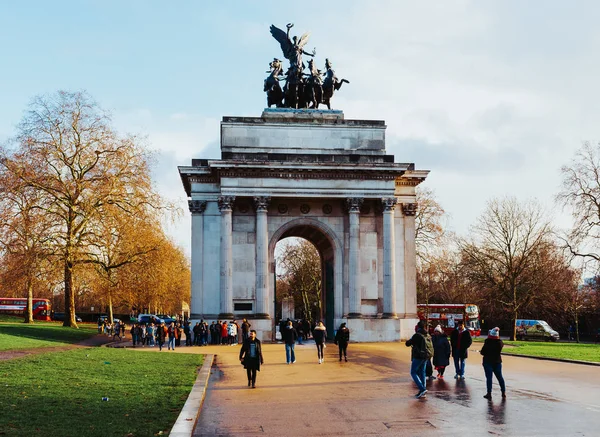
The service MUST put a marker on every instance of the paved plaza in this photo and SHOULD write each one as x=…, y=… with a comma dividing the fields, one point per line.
x=373, y=395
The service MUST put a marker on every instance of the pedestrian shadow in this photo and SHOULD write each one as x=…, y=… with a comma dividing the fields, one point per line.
x=497, y=412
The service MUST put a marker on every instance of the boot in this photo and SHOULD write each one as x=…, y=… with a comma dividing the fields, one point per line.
x=488, y=396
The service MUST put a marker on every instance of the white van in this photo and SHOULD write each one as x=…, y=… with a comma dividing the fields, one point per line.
x=535, y=330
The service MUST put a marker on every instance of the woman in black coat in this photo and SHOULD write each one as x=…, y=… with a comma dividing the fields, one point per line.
x=492, y=361
x=251, y=357
x=441, y=351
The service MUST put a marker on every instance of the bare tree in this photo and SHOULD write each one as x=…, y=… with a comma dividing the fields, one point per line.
x=429, y=225
x=67, y=151
x=502, y=254
x=301, y=266
x=581, y=193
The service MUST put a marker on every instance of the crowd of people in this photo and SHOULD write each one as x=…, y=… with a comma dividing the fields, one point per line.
x=428, y=352
x=437, y=348
x=152, y=334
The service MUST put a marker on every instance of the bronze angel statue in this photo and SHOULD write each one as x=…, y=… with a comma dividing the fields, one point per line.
x=300, y=90
x=293, y=49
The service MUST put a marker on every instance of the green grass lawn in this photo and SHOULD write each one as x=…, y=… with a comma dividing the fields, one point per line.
x=60, y=393
x=19, y=335
x=565, y=351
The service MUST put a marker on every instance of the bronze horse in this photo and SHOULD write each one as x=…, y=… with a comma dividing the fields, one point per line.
x=330, y=84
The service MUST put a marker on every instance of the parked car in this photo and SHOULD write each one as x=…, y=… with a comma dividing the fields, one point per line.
x=60, y=317
x=167, y=319
x=145, y=319
x=535, y=330
x=104, y=317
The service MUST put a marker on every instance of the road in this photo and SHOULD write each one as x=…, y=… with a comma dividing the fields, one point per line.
x=373, y=395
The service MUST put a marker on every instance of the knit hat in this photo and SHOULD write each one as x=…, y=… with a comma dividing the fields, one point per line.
x=438, y=328
x=494, y=333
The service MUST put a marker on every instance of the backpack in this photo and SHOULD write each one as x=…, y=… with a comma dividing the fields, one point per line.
x=428, y=352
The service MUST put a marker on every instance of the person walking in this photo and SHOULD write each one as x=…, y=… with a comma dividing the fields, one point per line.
x=460, y=340
x=245, y=330
x=492, y=361
x=161, y=335
x=232, y=331
x=319, y=335
x=289, y=337
x=251, y=357
x=441, y=351
x=172, y=333
x=419, y=358
x=117, y=331
x=342, y=338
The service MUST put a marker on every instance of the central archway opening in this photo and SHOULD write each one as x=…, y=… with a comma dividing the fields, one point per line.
x=304, y=276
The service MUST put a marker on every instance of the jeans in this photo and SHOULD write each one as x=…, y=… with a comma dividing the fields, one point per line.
x=320, y=351
x=459, y=365
x=290, y=356
x=171, y=343
x=417, y=371
x=495, y=369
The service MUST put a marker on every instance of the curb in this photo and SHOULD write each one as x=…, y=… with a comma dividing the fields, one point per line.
x=587, y=363
x=186, y=422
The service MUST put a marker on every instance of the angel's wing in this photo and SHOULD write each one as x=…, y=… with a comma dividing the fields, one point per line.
x=282, y=38
x=303, y=40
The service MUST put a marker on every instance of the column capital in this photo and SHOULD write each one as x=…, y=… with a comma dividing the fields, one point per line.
x=261, y=203
x=388, y=203
x=197, y=206
x=409, y=209
x=226, y=203
x=353, y=204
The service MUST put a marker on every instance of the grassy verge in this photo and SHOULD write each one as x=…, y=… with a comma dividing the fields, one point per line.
x=563, y=351
x=60, y=394
x=19, y=335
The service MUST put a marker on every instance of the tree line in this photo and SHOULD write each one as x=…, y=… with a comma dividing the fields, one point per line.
x=514, y=263
x=79, y=216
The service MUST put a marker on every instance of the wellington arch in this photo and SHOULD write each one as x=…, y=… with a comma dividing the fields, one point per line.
x=310, y=174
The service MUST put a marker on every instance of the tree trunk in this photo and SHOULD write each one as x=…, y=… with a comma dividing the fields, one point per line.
x=110, y=306
x=513, y=335
x=577, y=325
x=29, y=310
x=69, y=297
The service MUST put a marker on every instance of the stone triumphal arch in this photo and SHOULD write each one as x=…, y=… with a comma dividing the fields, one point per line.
x=310, y=174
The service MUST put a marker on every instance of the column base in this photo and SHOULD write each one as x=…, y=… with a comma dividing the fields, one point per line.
x=389, y=316
x=263, y=316
x=226, y=316
x=354, y=315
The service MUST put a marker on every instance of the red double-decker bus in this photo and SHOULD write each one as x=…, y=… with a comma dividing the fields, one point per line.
x=447, y=316
x=17, y=306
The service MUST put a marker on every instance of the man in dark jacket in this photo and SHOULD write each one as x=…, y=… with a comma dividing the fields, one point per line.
x=289, y=337
x=460, y=339
x=342, y=338
x=419, y=359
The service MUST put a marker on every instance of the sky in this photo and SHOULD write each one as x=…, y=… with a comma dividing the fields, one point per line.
x=492, y=97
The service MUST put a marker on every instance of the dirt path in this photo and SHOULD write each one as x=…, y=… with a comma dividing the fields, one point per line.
x=95, y=341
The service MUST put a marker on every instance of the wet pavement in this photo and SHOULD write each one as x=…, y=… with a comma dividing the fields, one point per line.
x=373, y=395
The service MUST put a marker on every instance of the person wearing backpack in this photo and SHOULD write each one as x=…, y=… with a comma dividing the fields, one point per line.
x=422, y=351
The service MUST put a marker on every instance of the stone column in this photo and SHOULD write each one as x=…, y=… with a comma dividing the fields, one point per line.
x=197, y=207
x=262, y=258
x=389, y=258
x=226, y=287
x=353, y=204
x=410, y=259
